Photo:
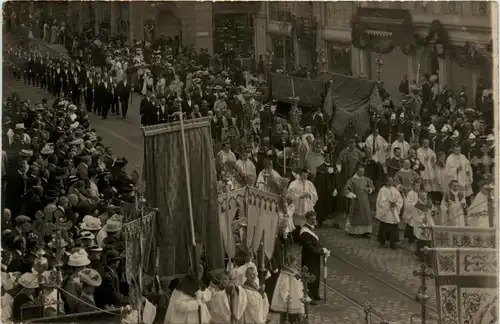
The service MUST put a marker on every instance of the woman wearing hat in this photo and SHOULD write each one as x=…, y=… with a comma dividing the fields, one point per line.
x=28, y=282
x=90, y=279
x=77, y=261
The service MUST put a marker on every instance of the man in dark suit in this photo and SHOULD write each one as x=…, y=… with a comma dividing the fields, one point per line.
x=312, y=252
x=162, y=111
x=404, y=87
x=115, y=108
x=66, y=76
x=147, y=110
x=123, y=91
x=58, y=79
x=108, y=293
x=74, y=88
x=89, y=91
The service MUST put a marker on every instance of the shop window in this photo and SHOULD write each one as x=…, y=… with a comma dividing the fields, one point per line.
x=279, y=11
x=480, y=8
x=283, y=53
x=452, y=8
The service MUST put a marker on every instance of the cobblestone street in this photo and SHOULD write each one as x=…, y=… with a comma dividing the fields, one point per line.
x=351, y=268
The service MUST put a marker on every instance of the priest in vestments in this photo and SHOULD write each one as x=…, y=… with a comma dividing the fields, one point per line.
x=268, y=180
x=452, y=206
x=189, y=295
x=378, y=146
x=228, y=302
x=304, y=196
x=257, y=302
x=478, y=214
x=314, y=158
x=357, y=190
x=312, y=252
x=428, y=158
x=245, y=174
x=325, y=185
x=345, y=168
x=458, y=168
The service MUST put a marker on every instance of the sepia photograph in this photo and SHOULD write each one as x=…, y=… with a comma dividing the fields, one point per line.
x=249, y=162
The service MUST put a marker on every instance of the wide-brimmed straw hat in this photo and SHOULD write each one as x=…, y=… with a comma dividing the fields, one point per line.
x=79, y=259
x=91, y=277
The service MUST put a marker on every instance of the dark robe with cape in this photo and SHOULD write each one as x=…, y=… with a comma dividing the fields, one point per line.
x=325, y=185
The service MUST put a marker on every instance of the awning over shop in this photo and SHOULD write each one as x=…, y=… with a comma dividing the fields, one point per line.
x=394, y=23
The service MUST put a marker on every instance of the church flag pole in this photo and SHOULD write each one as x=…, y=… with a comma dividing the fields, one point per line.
x=195, y=262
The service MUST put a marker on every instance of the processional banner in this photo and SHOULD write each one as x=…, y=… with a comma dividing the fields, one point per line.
x=139, y=231
x=166, y=188
x=260, y=211
x=463, y=237
x=466, y=285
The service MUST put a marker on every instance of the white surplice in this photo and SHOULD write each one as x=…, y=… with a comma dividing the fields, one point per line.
x=385, y=213
x=265, y=180
x=464, y=176
x=427, y=158
x=409, y=202
x=219, y=305
x=246, y=169
x=378, y=148
x=183, y=309
x=477, y=214
x=224, y=157
x=257, y=306
x=288, y=285
x=302, y=205
x=452, y=213
x=404, y=146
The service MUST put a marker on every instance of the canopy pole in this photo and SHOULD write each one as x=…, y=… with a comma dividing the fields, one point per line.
x=190, y=205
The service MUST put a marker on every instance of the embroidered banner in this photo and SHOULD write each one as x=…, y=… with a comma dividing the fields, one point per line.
x=463, y=237
x=133, y=230
x=259, y=209
x=466, y=285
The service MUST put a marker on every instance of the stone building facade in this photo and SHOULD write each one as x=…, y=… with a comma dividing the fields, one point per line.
x=259, y=27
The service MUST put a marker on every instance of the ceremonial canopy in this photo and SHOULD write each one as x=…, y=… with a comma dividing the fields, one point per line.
x=164, y=174
x=339, y=95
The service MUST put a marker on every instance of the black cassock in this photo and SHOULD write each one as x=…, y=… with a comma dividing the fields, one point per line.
x=312, y=252
x=325, y=185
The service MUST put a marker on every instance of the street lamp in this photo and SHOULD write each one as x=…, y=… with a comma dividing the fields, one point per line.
x=379, y=61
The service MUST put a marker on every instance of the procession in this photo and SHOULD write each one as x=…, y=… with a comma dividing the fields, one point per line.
x=259, y=191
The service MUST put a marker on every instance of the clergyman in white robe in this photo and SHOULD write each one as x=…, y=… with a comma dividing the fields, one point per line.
x=246, y=173
x=183, y=309
x=389, y=204
x=427, y=157
x=452, y=209
x=378, y=147
x=478, y=213
x=257, y=303
x=458, y=168
x=219, y=304
x=304, y=196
